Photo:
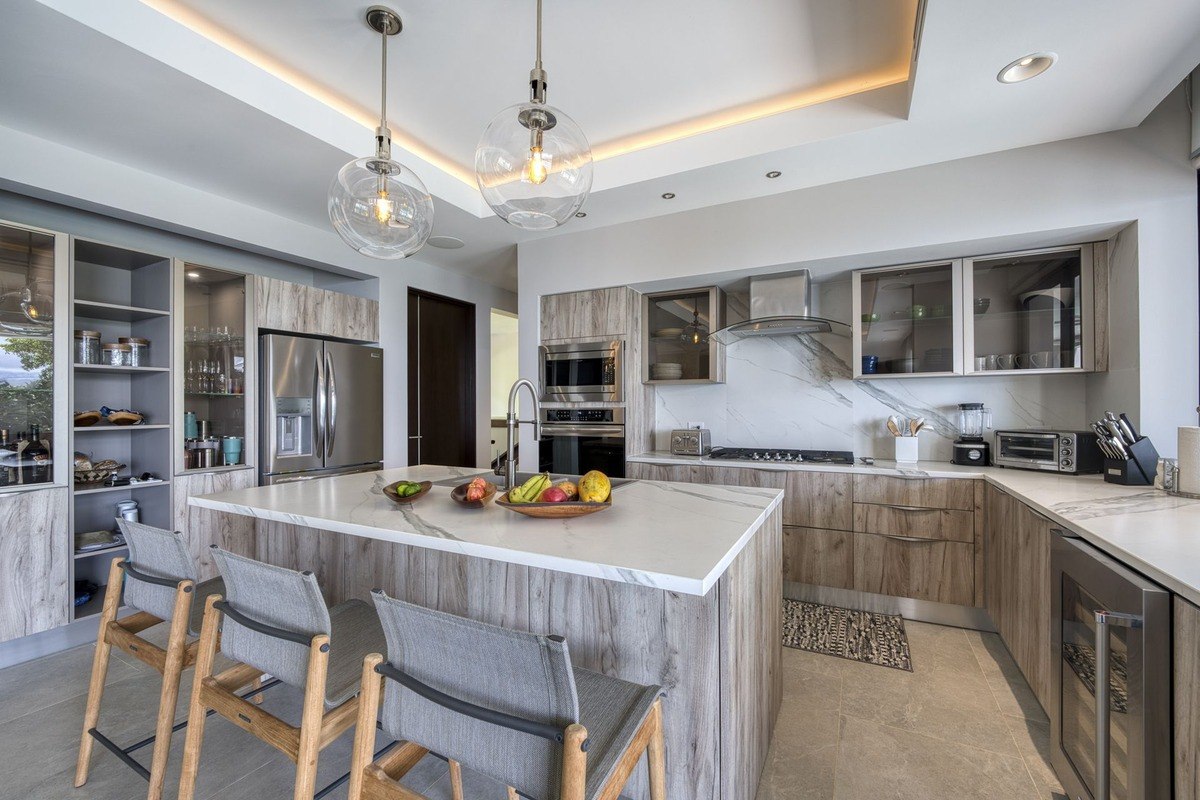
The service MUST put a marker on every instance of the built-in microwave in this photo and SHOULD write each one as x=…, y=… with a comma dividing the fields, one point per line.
x=1073, y=452
x=582, y=371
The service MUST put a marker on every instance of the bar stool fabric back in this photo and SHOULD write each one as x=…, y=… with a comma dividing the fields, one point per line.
x=160, y=553
x=522, y=674
x=277, y=596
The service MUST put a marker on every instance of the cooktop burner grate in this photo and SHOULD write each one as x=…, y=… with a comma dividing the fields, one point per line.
x=783, y=456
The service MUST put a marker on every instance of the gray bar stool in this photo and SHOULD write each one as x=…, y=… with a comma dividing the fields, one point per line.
x=274, y=620
x=507, y=704
x=159, y=582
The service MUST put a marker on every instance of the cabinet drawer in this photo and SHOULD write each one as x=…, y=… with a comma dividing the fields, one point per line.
x=925, y=492
x=819, y=557
x=923, y=569
x=819, y=500
x=926, y=523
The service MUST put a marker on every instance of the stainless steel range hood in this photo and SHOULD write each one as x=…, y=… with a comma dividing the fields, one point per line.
x=781, y=305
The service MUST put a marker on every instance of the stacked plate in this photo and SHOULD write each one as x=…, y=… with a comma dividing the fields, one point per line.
x=666, y=371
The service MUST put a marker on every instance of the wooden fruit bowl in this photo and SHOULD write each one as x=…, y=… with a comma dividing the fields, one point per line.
x=568, y=508
x=86, y=419
x=459, y=495
x=389, y=492
x=124, y=417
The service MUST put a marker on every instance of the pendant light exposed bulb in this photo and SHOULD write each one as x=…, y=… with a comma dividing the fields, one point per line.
x=533, y=164
x=377, y=205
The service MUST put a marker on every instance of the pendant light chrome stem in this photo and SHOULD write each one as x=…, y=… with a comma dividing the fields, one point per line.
x=387, y=23
x=537, y=75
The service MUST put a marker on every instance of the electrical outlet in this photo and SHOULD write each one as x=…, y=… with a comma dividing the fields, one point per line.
x=695, y=425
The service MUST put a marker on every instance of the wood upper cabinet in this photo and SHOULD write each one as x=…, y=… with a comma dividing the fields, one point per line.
x=202, y=527
x=34, y=562
x=1187, y=699
x=296, y=308
x=595, y=314
x=1017, y=585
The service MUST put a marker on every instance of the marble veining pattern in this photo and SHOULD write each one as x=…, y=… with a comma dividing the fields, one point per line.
x=675, y=537
x=1150, y=530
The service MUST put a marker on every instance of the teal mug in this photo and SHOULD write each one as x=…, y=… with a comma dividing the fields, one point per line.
x=231, y=448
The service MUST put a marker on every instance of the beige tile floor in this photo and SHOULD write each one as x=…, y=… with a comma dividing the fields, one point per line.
x=962, y=725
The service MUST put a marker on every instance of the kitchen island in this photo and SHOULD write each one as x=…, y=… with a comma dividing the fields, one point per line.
x=676, y=584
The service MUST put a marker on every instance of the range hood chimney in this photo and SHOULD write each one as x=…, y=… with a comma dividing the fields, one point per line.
x=781, y=305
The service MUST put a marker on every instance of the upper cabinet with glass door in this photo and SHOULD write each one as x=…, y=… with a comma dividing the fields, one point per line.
x=28, y=260
x=905, y=321
x=1030, y=312
x=679, y=348
x=216, y=370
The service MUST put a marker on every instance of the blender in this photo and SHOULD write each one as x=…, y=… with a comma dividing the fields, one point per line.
x=969, y=448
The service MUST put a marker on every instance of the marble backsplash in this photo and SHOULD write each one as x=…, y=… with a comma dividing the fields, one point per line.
x=796, y=392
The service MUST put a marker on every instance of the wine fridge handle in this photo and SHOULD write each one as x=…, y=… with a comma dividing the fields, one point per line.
x=1104, y=620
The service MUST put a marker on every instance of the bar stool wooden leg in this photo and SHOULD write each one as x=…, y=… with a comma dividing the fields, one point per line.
x=456, y=781
x=574, y=768
x=197, y=711
x=172, y=671
x=364, y=732
x=91, y=715
x=311, y=718
x=656, y=755
x=512, y=794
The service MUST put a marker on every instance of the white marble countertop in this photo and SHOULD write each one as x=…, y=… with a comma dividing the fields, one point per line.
x=672, y=536
x=1155, y=533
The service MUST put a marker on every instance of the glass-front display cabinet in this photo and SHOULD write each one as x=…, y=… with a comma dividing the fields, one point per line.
x=1030, y=312
x=216, y=370
x=906, y=321
x=31, y=261
x=679, y=348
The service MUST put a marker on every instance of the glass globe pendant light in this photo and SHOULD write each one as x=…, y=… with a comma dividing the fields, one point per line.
x=694, y=334
x=379, y=206
x=533, y=163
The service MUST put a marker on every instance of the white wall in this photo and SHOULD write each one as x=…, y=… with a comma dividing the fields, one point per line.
x=505, y=356
x=1097, y=182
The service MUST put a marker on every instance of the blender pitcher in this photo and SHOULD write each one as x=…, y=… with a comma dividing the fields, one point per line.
x=973, y=419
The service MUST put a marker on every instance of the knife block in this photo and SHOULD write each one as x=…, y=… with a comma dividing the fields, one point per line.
x=1139, y=469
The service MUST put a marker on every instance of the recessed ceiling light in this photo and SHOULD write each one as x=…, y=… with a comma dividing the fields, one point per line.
x=1027, y=67
x=668, y=196
x=445, y=242
x=581, y=214
x=774, y=173
x=193, y=275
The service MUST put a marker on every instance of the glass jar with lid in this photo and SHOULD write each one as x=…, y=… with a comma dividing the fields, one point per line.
x=87, y=347
x=139, y=350
x=115, y=354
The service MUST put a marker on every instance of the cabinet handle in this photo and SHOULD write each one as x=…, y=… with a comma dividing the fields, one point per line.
x=1104, y=619
x=913, y=539
x=915, y=509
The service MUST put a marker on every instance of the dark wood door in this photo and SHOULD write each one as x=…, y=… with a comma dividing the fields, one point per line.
x=441, y=380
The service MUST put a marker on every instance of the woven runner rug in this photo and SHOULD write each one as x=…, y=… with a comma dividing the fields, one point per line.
x=857, y=635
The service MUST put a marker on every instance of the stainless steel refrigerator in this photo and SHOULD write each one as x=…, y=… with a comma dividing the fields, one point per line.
x=322, y=408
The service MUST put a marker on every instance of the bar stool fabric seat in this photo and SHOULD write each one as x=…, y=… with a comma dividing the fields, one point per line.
x=292, y=601
x=522, y=674
x=612, y=710
x=162, y=554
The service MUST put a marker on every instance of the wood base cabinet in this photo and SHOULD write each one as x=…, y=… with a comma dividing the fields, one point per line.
x=1187, y=700
x=34, y=562
x=923, y=569
x=818, y=556
x=1017, y=585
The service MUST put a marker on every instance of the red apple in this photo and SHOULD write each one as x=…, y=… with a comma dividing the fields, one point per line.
x=553, y=495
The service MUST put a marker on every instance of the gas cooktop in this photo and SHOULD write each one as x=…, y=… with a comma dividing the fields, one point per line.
x=783, y=456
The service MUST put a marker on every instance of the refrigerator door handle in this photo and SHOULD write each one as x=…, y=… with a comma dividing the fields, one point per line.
x=331, y=390
x=319, y=399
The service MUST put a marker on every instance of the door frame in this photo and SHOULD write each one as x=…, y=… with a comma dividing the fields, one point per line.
x=414, y=364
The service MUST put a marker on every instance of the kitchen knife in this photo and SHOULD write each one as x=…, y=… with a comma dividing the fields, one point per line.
x=1118, y=445
x=1114, y=429
x=1127, y=426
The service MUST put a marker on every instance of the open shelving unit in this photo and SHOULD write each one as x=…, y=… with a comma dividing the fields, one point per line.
x=121, y=292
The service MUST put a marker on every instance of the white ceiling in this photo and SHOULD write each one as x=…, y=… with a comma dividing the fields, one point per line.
x=230, y=98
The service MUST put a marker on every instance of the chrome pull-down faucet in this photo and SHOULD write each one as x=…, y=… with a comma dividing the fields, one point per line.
x=510, y=465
